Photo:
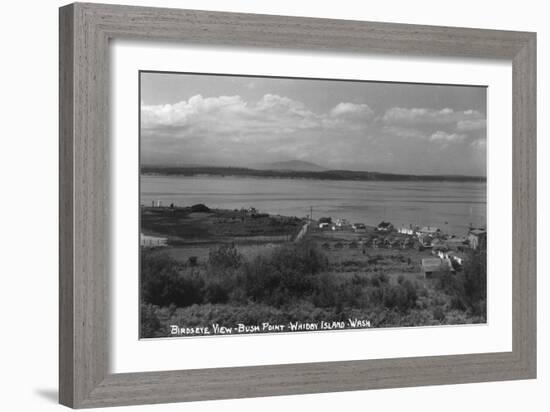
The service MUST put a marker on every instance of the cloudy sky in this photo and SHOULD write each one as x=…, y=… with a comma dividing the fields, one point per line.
x=189, y=119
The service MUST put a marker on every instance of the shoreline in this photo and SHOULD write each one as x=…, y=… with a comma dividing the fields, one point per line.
x=185, y=228
x=331, y=175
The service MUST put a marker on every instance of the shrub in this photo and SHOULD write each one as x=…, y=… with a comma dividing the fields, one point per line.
x=379, y=279
x=402, y=296
x=215, y=291
x=150, y=324
x=467, y=289
x=163, y=281
x=304, y=257
x=225, y=256
x=475, y=283
x=284, y=276
x=438, y=313
x=200, y=208
x=325, y=291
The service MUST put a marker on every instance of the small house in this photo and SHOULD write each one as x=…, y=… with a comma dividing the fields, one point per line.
x=384, y=227
x=406, y=231
x=455, y=257
x=359, y=227
x=431, y=266
x=152, y=241
x=477, y=238
x=200, y=208
x=342, y=223
x=425, y=240
x=456, y=243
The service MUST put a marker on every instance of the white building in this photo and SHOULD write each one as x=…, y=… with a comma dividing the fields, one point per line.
x=152, y=241
x=405, y=231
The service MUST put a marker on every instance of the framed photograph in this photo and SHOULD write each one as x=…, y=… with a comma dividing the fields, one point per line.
x=257, y=205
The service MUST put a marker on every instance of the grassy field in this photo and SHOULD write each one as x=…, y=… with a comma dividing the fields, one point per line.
x=184, y=226
x=193, y=234
x=349, y=252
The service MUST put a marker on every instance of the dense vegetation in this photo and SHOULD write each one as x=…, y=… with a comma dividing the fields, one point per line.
x=294, y=283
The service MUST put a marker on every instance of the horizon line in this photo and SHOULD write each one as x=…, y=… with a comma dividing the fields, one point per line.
x=309, y=171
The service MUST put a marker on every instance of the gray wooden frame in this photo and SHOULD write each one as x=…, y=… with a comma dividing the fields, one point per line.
x=85, y=31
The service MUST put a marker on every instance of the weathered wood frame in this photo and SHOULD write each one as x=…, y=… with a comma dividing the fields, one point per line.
x=85, y=31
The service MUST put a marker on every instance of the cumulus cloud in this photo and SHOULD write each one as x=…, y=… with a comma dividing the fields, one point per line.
x=415, y=116
x=441, y=136
x=228, y=115
x=273, y=125
x=231, y=130
x=352, y=109
x=271, y=114
x=443, y=126
x=479, y=144
x=183, y=113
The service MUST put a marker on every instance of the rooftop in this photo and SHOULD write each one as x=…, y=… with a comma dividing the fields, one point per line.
x=431, y=264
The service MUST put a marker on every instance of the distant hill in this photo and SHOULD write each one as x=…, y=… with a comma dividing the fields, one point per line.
x=302, y=174
x=291, y=166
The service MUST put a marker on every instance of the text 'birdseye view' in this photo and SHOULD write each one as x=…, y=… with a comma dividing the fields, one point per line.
x=276, y=205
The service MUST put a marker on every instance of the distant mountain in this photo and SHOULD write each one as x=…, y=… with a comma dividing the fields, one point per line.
x=302, y=174
x=291, y=166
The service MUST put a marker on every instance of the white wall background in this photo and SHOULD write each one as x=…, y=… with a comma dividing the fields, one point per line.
x=28, y=205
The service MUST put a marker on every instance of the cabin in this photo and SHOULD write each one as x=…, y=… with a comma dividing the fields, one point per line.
x=440, y=251
x=342, y=224
x=457, y=243
x=384, y=227
x=324, y=222
x=477, y=238
x=455, y=257
x=405, y=231
x=432, y=266
x=359, y=227
x=425, y=240
x=152, y=241
x=200, y=208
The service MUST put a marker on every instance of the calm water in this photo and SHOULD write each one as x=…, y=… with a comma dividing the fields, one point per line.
x=450, y=206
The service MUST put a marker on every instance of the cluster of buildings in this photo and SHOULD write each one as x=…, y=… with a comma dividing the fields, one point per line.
x=430, y=236
x=447, y=250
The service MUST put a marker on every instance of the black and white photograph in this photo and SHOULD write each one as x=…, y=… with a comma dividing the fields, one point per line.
x=275, y=206
x=287, y=205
